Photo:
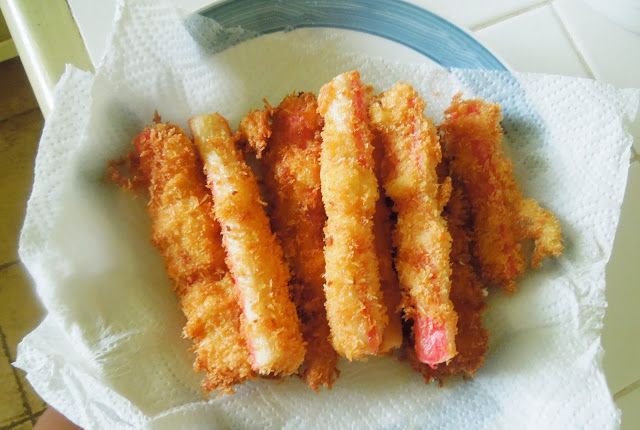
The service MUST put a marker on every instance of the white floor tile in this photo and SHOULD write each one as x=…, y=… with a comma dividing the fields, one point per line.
x=612, y=53
x=472, y=13
x=630, y=406
x=534, y=42
x=622, y=321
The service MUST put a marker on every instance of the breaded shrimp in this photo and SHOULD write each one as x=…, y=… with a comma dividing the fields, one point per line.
x=411, y=156
x=188, y=237
x=392, y=337
x=254, y=257
x=472, y=139
x=292, y=182
x=355, y=306
x=467, y=295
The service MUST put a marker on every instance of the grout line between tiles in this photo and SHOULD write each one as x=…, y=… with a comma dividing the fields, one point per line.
x=626, y=390
x=24, y=112
x=577, y=50
x=23, y=395
x=16, y=423
x=513, y=14
x=8, y=264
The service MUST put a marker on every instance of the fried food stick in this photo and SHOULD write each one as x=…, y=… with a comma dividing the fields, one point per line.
x=392, y=337
x=254, y=257
x=292, y=182
x=411, y=156
x=467, y=295
x=355, y=308
x=472, y=138
x=188, y=237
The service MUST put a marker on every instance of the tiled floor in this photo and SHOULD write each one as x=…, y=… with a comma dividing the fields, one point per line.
x=20, y=127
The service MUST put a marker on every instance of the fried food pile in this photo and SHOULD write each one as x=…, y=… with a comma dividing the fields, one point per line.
x=369, y=231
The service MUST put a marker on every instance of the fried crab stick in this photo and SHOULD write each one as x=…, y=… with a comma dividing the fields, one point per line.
x=291, y=144
x=467, y=295
x=254, y=257
x=355, y=306
x=392, y=337
x=411, y=155
x=164, y=161
x=503, y=218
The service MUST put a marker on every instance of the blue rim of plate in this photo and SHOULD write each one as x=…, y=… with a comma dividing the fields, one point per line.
x=399, y=21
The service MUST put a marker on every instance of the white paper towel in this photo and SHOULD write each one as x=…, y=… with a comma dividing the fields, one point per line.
x=109, y=354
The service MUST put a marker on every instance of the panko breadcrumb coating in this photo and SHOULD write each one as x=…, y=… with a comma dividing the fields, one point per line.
x=255, y=129
x=292, y=183
x=254, y=257
x=540, y=225
x=355, y=306
x=164, y=161
x=472, y=140
x=392, y=336
x=467, y=295
x=411, y=156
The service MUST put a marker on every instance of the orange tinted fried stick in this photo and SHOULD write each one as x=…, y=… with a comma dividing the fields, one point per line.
x=355, y=309
x=472, y=138
x=392, y=337
x=292, y=181
x=411, y=155
x=188, y=237
x=254, y=257
x=467, y=295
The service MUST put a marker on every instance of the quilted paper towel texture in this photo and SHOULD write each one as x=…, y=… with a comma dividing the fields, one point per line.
x=109, y=354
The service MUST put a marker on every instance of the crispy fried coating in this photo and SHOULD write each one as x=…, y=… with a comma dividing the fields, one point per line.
x=254, y=257
x=213, y=322
x=467, y=295
x=292, y=182
x=392, y=337
x=411, y=156
x=543, y=228
x=355, y=306
x=188, y=237
x=472, y=138
x=255, y=129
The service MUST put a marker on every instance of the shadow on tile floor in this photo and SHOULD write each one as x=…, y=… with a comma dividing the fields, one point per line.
x=20, y=127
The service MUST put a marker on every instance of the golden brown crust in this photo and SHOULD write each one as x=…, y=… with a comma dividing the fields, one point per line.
x=188, y=237
x=209, y=307
x=292, y=181
x=472, y=138
x=467, y=295
x=255, y=129
x=355, y=309
x=382, y=228
x=254, y=257
x=411, y=156
x=540, y=225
